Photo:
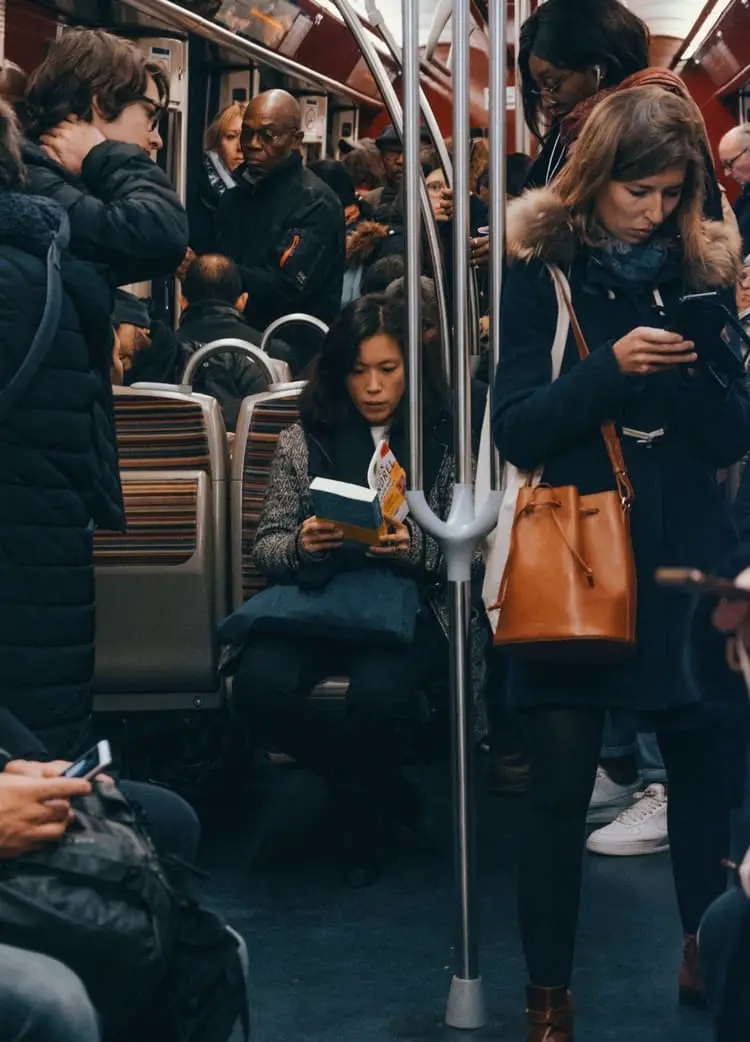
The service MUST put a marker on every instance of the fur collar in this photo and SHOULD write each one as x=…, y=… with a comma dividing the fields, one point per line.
x=363, y=241
x=539, y=225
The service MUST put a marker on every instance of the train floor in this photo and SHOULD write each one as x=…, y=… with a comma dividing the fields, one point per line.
x=370, y=965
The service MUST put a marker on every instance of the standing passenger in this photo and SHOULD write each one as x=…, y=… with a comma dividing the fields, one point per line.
x=625, y=220
x=221, y=157
x=282, y=225
x=93, y=112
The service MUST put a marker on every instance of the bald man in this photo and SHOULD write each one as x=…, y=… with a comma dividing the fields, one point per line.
x=734, y=152
x=282, y=226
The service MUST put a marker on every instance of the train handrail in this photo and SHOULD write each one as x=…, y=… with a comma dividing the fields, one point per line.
x=216, y=347
x=287, y=320
x=393, y=107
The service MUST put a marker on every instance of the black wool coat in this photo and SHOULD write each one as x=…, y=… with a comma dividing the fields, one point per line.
x=680, y=517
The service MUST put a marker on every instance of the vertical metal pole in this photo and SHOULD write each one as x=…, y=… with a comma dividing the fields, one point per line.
x=497, y=29
x=522, y=10
x=412, y=183
x=466, y=1007
x=461, y=255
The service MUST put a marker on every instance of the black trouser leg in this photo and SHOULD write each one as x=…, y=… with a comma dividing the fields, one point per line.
x=698, y=814
x=564, y=749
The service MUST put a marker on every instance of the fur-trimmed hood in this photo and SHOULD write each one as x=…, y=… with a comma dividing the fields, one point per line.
x=539, y=225
x=364, y=241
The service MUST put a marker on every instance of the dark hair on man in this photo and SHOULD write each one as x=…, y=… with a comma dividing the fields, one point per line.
x=577, y=35
x=382, y=273
x=325, y=402
x=12, y=171
x=334, y=173
x=365, y=167
x=88, y=63
x=212, y=277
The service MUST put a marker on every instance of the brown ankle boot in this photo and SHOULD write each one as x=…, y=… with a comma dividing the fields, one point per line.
x=549, y=1013
x=692, y=992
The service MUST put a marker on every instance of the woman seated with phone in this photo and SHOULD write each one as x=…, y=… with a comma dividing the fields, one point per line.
x=624, y=222
x=355, y=397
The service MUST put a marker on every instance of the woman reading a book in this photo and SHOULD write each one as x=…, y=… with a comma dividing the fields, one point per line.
x=355, y=399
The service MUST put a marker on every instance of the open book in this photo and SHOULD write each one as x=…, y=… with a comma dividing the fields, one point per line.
x=359, y=510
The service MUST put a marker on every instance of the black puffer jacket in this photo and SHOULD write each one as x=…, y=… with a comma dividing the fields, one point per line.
x=287, y=234
x=124, y=213
x=58, y=477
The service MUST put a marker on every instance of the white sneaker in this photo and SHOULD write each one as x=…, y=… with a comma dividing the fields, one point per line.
x=641, y=829
x=609, y=798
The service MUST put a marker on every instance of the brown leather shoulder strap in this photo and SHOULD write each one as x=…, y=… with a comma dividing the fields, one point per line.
x=611, y=440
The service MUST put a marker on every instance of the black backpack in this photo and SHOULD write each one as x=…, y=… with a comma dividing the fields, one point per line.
x=102, y=902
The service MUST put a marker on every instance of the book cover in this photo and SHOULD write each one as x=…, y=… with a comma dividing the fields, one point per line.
x=354, y=508
x=388, y=478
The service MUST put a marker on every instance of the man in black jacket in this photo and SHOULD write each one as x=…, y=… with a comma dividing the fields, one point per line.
x=93, y=111
x=282, y=225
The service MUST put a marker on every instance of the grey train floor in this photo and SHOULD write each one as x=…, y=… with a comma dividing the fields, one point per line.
x=372, y=965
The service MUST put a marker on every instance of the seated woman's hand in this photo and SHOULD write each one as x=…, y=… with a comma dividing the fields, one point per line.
x=646, y=350
x=395, y=541
x=319, y=537
x=445, y=206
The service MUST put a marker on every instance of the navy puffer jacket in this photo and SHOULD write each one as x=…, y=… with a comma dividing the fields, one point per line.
x=58, y=478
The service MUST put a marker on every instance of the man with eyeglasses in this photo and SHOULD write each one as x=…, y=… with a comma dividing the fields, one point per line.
x=734, y=152
x=92, y=111
x=283, y=226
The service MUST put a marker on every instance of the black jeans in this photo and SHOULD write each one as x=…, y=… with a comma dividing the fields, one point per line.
x=276, y=674
x=725, y=964
x=564, y=747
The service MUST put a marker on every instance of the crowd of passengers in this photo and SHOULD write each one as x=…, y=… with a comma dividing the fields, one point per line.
x=624, y=198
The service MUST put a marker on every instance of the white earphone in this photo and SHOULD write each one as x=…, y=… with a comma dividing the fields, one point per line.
x=598, y=71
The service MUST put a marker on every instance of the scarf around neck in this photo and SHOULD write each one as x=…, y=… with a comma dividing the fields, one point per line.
x=638, y=264
x=572, y=124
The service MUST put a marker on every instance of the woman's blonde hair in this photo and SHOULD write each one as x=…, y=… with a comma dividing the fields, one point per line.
x=216, y=131
x=631, y=135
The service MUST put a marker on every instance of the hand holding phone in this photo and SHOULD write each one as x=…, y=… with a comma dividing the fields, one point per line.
x=92, y=763
x=648, y=350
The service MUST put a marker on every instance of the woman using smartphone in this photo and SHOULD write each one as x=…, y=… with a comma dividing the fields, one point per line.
x=625, y=223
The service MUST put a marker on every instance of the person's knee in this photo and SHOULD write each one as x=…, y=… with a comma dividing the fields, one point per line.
x=380, y=698
x=41, y=1000
x=266, y=676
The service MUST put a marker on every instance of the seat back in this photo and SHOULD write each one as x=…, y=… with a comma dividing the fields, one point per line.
x=261, y=420
x=155, y=596
x=166, y=429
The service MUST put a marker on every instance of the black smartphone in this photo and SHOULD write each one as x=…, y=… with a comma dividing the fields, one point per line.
x=705, y=319
x=691, y=580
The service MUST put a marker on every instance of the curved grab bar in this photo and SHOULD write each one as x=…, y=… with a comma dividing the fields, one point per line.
x=217, y=347
x=297, y=316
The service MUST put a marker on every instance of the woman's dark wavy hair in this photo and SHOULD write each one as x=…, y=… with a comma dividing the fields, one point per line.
x=12, y=171
x=84, y=64
x=325, y=402
x=578, y=34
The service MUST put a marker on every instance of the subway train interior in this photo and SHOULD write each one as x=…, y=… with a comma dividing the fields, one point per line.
x=431, y=949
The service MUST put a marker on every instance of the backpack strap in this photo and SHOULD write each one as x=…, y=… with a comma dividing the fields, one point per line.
x=47, y=328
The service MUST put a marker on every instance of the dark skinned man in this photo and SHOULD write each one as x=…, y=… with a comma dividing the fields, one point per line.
x=282, y=226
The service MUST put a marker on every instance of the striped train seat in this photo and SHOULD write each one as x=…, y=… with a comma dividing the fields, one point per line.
x=162, y=586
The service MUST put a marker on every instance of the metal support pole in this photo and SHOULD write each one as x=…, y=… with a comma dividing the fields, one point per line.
x=392, y=104
x=497, y=32
x=377, y=22
x=522, y=10
x=412, y=184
